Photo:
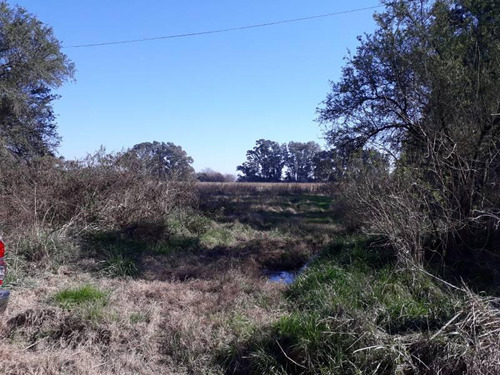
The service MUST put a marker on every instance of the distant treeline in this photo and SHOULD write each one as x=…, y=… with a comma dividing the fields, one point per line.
x=270, y=161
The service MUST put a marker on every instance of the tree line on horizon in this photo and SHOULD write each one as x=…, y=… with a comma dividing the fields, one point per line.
x=270, y=161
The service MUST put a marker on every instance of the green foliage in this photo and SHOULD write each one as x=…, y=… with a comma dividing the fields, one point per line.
x=265, y=162
x=139, y=317
x=327, y=166
x=74, y=297
x=351, y=297
x=162, y=160
x=421, y=63
x=118, y=263
x=299, y=160
x=217, y=237
x=31, y=65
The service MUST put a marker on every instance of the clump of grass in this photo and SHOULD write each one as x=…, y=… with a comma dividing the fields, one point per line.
x=120, y=265
x=86, y=302
x=119, y=262
x=139, y=317
x=43, y=249
x=217, y=237
x=18, y=272
x=86, y=294
x=186, y=223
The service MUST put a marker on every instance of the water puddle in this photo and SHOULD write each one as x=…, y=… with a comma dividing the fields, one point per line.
x=286, y=276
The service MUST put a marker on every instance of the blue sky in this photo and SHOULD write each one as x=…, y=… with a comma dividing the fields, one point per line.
x=214, y=95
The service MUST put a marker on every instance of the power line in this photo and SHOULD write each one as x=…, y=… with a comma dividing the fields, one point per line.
x=221, y=30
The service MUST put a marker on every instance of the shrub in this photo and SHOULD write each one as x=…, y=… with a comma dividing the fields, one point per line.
x=55, y=201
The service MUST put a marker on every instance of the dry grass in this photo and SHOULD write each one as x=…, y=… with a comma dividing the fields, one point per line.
x=198, y=286
x=184, y=291
x=273, y=188
x=146, y=327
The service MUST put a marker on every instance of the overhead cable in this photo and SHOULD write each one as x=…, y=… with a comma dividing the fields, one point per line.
x=220, y=30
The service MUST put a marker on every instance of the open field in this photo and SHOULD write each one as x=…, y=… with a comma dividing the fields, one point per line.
x=199, y=301
x=129, y=303
x=275, y=188
x=132, y=262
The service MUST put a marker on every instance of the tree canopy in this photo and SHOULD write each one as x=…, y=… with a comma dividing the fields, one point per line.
x=265, y=162
x=162, y=160
x=31, y=66
x=431, y=68
x=269, y=161
x=425, y=87
x=299, y=161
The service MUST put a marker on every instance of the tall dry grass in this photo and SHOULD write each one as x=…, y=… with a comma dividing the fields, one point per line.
x=273, y=188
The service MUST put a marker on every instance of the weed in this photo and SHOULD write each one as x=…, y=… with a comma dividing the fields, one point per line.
x=44, y=249
x=17, y=274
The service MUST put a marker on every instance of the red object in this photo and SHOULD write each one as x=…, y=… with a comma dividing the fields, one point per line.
x=2, y=249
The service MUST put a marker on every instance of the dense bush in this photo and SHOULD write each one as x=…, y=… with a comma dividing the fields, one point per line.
x=50, y=198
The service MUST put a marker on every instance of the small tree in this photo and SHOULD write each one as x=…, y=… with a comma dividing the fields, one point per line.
x=31, y=65
x=328, y=166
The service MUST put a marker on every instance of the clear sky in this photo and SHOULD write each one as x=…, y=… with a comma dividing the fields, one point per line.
x=214, y=95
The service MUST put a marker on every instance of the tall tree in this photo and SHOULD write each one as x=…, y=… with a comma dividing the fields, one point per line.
x=31, y=66
x=265, y=162
x=426, y=86
x=329, y=166
x=299, y=161
x=162, y=160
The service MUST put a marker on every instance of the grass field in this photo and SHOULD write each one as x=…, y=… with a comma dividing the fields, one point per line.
x=131, y=304
x=198, y=300
x=274, y=188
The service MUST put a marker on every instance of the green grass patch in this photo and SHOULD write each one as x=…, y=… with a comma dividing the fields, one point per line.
x=353, y=296
x=73, y=297
x=87, y=302
x=138, y=317
x=119, y=262
x=217, y=237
